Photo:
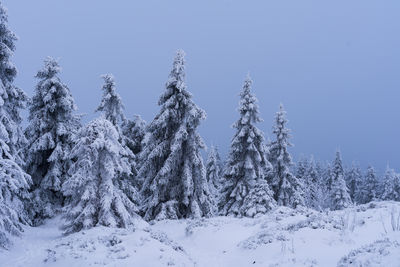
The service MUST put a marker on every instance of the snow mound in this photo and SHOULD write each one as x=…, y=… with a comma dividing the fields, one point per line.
x=119, y=247
x=379, y=253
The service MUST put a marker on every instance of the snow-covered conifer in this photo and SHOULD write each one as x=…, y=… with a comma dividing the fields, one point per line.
x=302, y=168
x=51, y=130
x=94, y=183
x=391, y=185
x=312, y=189
x=339, y=192
x=12, y=99
x=172, y=167
x=112, y=109
x=14, y=182
x=370, y=188
x=220, y=162
x=288, y=190
x=213, y=173
x=353, y=177
x=246, y=191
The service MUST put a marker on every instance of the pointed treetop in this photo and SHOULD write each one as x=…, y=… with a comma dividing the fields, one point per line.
x=248, y=107
x=111, y=103
x=282, y=133
x=51, y=68
x=177, y=75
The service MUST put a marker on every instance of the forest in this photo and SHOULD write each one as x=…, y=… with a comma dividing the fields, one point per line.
x=115, y=170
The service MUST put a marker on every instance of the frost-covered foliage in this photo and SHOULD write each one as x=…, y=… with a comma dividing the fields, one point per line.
x=213, y=173
x=353, y=181
x=14, y=185
x=51, y=130
x=94, y=185
x=302, y=168
x=172, y=168
x=246, y=192
x=14, y=182
x=112, y=108
x=370, y=186
x=12, y=99
x=134, y=131
x=339, y=192
x=391, y=185
x=111, y=105
x=288, y=190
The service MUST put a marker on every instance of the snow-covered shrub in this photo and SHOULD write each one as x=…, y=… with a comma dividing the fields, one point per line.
x=378, y=253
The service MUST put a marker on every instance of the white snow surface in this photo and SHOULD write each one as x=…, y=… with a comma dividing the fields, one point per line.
x=366, y=235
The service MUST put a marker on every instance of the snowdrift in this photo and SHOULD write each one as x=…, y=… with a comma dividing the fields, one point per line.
x=366, y=235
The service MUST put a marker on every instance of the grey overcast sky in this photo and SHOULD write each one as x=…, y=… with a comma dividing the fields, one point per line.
x=333, y=64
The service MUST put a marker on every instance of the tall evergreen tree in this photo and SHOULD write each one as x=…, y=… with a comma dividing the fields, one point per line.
x=324, y=174
x=51, y=129
x=14, y=182
x=370, y=187
x=302, y=168
x=391, y=185
x=94, y=183
x=172, y=168
x=353, y=177
x=246, y=192
x=213, y=173
x=288, y=190
x=112, y=109
x=12, y=99
x=339, y=192
x=220, y=162
x=312, y=189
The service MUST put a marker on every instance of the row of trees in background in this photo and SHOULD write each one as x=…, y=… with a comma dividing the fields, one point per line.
x=114, y=169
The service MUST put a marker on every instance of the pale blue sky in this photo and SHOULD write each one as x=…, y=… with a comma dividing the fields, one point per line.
x=334, y=64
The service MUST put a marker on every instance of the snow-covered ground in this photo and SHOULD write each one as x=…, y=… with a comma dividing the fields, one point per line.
x=367, y=235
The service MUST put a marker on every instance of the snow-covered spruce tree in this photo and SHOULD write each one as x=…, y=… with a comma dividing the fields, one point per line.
x=246, y=191
x=51, y=130
x=213, y=173
x=134, y=132
x=94, y=183
x=112, y=109
x=14, y=182
x=220, y=162
x=370, y=188
x=339, y=192
x=391, y=185
x=12, y=99
x=172, y=168
x=111, y=105
x=353, y=177
x=324, y=173
x=301, y=168
x=312, y=190
x=288, y=190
